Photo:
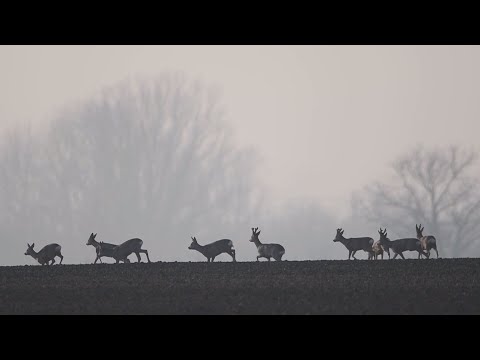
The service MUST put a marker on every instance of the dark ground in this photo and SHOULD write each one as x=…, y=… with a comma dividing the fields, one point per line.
x=443, y=286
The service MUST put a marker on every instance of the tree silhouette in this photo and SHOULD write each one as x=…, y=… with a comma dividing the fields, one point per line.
x=433, y=187
x=150, y=158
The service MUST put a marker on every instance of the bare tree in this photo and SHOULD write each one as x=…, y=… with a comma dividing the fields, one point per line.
x=150, y=158
x=433, y=187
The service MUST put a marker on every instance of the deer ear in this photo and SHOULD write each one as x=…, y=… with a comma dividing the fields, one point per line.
x=33, y=244
x=28, y=244
x=258, y=233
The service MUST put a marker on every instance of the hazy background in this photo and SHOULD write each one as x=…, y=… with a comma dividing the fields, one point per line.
x=302, y=129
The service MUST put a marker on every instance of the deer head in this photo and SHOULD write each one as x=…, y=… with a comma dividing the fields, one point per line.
x=91, y=239
x=419, y=229
x=194, y=244
x=30, y=250
x=383, y=235
x=339, y=236
x=255, y=234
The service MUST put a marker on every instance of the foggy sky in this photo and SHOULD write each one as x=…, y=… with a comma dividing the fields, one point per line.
x=326, y=120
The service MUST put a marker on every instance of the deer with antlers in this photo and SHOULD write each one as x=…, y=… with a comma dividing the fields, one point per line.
x=267, y=251
x=401, y=245
x=355, y=244
x=427, y=242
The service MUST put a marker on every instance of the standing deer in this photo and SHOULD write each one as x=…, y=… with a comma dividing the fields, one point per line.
x=121, y=252
x=355, y=244
x=46, y=254
x=377, y=249
x=267, y=251
x=102, y=249
x=212, y=250
x=428, y=242
x=400, y=245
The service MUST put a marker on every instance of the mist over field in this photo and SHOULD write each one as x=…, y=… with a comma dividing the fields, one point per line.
x=165, y=143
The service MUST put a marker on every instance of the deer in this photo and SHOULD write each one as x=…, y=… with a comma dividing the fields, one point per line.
x=355, y=244
x=121, y=252
x=212, y=250
x=427, y=242
x=400, y=245
x=102, y=249
x=46, y=254
x=377, y=249
x=267, y=251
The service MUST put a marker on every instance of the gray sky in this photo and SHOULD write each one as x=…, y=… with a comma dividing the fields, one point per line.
x=326, y=119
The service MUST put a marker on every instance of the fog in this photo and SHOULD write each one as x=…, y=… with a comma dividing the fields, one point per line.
x=169, y=142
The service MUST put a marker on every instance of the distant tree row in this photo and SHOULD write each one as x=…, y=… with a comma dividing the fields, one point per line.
x=154, y=159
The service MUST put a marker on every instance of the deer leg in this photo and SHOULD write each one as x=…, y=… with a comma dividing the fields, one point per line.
x=401, y=255
x=349, y=253
x=394, y=256
x=138, y=256
x=353, y=255
x=435, y=248
x=213, y=258
x=257, y=258
x=146, y=253
x=232, y=254
x=53, y=261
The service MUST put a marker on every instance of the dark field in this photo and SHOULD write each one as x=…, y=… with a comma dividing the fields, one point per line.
x=443, y=286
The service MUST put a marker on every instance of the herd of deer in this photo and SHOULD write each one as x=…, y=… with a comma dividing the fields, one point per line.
x=421, y=244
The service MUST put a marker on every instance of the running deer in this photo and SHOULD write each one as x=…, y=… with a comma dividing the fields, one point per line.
x=428, y=242
x=122, y=251
x=355, y=244
x=212, y=250
x=399, y=246
x=267, y=251
x=102, y=249
x=46, y=254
